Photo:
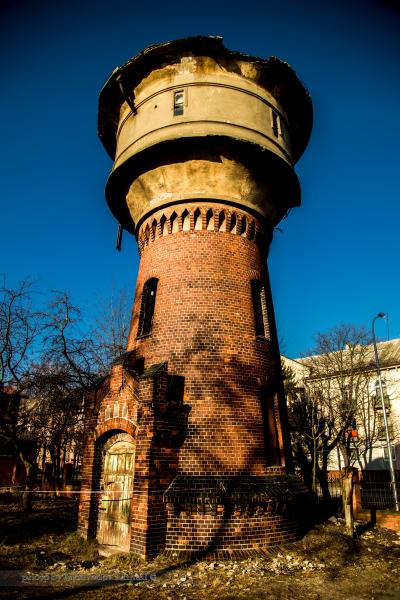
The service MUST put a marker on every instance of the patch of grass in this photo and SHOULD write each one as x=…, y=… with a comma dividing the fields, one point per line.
x=18, y=557
x=164, y=560
x=123, y=561
x=76, y=547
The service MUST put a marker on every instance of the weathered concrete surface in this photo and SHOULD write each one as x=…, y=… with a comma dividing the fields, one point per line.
x=236, y=140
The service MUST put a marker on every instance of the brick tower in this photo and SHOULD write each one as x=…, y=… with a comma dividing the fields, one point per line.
x=187, y=439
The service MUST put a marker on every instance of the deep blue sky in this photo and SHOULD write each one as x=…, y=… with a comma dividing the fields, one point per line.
x=336, y=260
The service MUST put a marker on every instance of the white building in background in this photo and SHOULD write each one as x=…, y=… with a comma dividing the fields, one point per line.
x=369, y=447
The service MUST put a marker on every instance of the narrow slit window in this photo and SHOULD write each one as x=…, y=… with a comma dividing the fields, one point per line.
x=276, y=125
x=179, y=103
x=147, y=307
x=260, y=308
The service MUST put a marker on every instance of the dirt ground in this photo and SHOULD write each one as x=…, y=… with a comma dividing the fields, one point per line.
x=42, y=557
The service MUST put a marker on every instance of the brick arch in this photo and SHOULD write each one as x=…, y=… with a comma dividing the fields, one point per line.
x=233, y=222
x=116, y=425
x=146, y=235
x=186, y=224
x=173, y=223
x=116, y=436
x=106, y=435
x=141, y=241
x=222, y=221
x=153, y=230
x=251, y=230
x=163, y=225
x=103, y=444
x=197, y=219
x=254, y=274
x=212, y=218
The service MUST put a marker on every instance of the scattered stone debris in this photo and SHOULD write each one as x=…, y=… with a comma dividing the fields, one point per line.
x=325, y=565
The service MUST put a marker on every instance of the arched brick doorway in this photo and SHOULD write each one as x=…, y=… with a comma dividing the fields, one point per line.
x=114, y=517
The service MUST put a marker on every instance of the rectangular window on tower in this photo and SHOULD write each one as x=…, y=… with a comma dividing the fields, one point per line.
x=179, y=102
x=260, y=309
x=276, y=124
x=147, y=307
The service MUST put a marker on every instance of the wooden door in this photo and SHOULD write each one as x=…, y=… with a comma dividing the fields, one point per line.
x=114, y=511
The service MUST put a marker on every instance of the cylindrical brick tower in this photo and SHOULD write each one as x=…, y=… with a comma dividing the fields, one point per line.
x=204, y=141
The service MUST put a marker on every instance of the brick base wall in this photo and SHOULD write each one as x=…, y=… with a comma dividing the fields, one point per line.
x=241, y=513
x=170, y=510
x=205, y=532
x=389, y=519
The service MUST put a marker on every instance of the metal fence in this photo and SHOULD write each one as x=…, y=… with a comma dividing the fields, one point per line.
x=374, y=487
x=334, y=487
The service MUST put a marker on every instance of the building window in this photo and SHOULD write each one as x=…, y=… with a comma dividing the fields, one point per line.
x=380, y=424
x=386, y=453
x=275, y=123
x=377, y=399
x=179, y=102
x=260, y=308
x=147, y=307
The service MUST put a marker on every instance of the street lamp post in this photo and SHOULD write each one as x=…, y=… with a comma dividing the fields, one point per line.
x=389, y=449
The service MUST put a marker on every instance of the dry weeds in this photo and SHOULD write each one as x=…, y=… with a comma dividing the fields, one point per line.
x=326, y=565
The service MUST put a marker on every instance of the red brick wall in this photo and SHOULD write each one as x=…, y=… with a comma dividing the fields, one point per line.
x=229, y=418
x=197, y=532
x=119, y=388
x=388, y=519
x=153, y=427
x=204, y=328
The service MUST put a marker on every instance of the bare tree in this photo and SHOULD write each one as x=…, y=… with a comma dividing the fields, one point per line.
x=110, y=331
x=56, y=415
x=49, y=361
x=20, y=328
x=73, y=358
x=68, y=369
x=66, y=344
x=323, y=412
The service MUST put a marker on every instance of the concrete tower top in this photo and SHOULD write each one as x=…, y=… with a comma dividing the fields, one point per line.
x=222, y=118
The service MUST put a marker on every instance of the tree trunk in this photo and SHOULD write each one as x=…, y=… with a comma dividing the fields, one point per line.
x=347, y=494
x=305, y=466
x=314, y=470
x=322, y=475
x=345, y=449
x=53, y=456
x=75, y=467
x=28, y=487
x=43, y=466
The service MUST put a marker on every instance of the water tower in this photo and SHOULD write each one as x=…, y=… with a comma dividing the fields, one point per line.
x=187, y=439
